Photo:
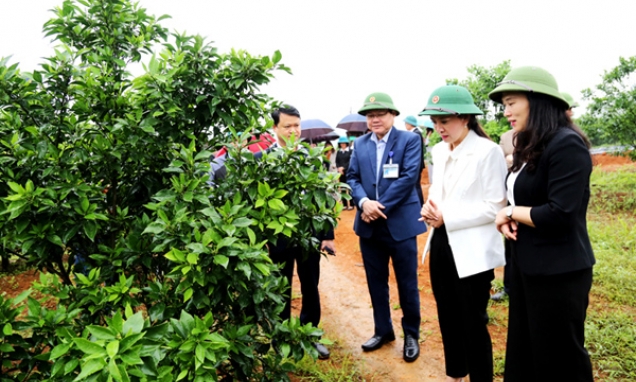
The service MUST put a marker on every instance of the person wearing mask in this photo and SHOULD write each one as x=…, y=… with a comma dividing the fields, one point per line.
x=552, y=258
x=343, y=156
x=383, y=174
x=465, y=247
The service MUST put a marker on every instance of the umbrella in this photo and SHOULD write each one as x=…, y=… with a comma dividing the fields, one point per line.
x=310, y=129
x=353, y=122
x=324, y=137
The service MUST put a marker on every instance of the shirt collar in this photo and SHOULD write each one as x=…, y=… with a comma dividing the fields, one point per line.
x=384, y=139
x=462, y=147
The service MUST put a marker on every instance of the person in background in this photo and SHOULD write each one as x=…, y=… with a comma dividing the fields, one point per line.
x=428, y=124
x=552, y=258
x=343, y=156
x=351, y=142
x=330, y=153
x=383, y=174
x=571, y=103
x=287, y=127
x=506, y=142
x=410, y=123
x=465, y=247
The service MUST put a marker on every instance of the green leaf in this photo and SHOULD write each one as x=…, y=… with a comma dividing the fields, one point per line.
x=276, y=204
x=8, y=329
x=277, y=57
x=90, y=229
x=127, y=342
x=91, y=367
x=101, y=333
x=263, y=268
x=88, y=347
x=242, y=222
x=60, y=350
x=112, y=348
x=187, y=294
x=134, y=324
x=221, y=260
x=71, y=366
x=155, y=227
x=114, y=370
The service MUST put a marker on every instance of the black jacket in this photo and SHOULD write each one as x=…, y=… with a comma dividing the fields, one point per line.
x=558, y=192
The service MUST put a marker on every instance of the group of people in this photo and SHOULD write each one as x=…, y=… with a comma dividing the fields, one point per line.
x=538, y=203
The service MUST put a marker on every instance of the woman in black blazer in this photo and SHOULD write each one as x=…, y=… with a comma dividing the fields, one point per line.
x=552, y=259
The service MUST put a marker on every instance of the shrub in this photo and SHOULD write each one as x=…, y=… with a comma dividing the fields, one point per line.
x=107, y=174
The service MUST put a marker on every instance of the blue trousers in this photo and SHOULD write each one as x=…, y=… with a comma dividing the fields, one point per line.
x=376, y=252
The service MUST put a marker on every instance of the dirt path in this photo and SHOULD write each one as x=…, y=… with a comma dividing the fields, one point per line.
x=348, y=317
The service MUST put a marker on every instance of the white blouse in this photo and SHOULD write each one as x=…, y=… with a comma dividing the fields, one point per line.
x=510, y=185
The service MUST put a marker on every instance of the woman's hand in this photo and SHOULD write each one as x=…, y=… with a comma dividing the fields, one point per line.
x=431, y=214
x=505, y=225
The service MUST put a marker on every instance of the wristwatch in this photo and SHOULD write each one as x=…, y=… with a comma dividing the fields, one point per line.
x=509, y=212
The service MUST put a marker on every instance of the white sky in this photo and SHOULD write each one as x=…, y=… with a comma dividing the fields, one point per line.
x=340, y=51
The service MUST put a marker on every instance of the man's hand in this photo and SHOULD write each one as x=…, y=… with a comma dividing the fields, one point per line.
x=328, y=246
x=372, y=210
x=341, y=170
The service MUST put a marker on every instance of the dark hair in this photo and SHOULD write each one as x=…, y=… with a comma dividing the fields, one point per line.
x=546, y=117
x=473, y=124
x=285, y=109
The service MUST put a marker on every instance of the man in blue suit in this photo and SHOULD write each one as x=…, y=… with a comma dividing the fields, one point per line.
x=383, y=174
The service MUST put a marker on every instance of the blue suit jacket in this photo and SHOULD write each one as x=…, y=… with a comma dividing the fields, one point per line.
x=398, y=195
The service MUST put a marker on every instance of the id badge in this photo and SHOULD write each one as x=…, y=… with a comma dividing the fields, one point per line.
x=391, y=171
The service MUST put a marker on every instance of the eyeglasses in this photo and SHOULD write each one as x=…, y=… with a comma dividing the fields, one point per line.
x=377, y=115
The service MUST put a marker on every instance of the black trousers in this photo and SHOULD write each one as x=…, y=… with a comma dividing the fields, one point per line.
x=546, y=327
x=507, y=271
x=462, y=313
x=308, y=275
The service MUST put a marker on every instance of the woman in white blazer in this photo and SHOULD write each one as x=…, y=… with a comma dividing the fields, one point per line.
x=468, y=190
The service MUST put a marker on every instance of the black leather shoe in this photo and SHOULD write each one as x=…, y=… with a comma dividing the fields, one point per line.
x=376, y=341
x=323, y=352
x=411, y=348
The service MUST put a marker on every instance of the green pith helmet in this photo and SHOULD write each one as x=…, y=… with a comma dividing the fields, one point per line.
x=529, y=79
x=411, y=120
x=343, y=140
x=570, y=100
x=451, y=99
x=378, y=101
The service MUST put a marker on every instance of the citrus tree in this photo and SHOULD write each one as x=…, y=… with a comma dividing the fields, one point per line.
x=611, y=113
x=156, y=275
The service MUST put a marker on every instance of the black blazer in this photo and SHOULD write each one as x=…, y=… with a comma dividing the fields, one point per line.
x=558, y=192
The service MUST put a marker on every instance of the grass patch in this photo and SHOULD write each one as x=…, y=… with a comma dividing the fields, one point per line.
x=340, y=367
x=611, y=342
x=613, y=191
x=611, y=324
x=614, y=242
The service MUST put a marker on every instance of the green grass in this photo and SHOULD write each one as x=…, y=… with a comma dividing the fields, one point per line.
x=611, y=324
x=340, y=367
x=613, y=191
